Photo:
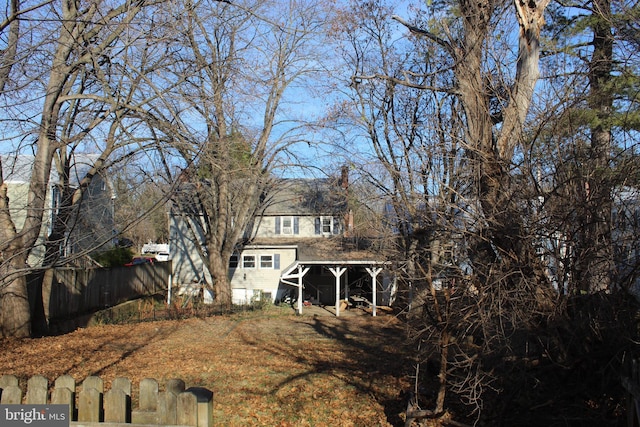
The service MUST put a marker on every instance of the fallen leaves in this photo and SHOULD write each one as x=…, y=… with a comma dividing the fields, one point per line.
x=264, y=370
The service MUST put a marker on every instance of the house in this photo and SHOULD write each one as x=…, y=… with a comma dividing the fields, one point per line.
x=90, y=226
x=298, y=249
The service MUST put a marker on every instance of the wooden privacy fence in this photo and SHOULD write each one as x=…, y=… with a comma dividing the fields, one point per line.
x=92, y=406
x=68, y=292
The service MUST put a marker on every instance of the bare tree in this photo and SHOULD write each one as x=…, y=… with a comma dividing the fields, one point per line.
x=76, y=44
x=447, y=125
x=232, y=66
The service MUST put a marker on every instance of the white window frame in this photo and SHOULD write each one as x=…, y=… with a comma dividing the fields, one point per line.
x=246, y=260
x=263, y=258
x=286, y=229
x=323, y=225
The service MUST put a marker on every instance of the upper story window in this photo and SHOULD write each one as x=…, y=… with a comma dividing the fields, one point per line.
x=233, y=261
x=287, y=225
x=249, y=261
x=266, y=261
x=327, y=225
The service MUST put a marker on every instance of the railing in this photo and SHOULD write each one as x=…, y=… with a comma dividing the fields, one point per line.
x=92, y=406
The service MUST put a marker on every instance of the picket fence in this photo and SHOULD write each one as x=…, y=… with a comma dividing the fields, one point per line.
x=91, y=406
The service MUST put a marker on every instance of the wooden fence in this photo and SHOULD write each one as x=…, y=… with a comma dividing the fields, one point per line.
x=90, y=405
x=65, y=293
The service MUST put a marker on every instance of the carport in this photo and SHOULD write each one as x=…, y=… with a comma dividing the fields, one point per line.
x=295, y=274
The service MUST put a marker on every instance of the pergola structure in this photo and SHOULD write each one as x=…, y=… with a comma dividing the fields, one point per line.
x=294, y=275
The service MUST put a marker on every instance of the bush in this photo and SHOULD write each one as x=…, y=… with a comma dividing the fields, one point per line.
x=114, y=257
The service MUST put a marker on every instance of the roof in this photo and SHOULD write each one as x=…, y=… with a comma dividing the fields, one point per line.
x=304, y=197
x=335, y=249
x=16, y=169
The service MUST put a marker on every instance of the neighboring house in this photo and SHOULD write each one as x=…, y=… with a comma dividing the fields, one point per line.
x=91, y=225
x=299, y=241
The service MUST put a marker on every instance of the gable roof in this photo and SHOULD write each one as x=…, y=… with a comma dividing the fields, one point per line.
x=304, y=197
x=16, y=169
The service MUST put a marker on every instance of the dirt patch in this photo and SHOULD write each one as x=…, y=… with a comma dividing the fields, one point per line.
x=265, y=368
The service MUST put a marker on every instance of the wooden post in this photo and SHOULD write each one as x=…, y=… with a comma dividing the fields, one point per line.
x=373, y=272
x=8, y=380
x=337, y=272
x=302, y=271
x=167, y=408
x=123, y=384
x=204, y=403
x=300, y=294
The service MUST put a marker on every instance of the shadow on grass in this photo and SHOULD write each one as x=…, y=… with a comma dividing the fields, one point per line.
x=360, y=358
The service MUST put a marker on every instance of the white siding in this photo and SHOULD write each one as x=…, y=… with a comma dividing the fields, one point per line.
x=245, y=281
x=266, y=227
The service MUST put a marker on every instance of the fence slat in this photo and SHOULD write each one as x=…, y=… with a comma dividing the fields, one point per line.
x=64, y=396
x=37, y=390
x=187, y=409
x=89, y=407
x=116, y=406
x=173, y=406
x=11, y=395
x=148, y=394
x=8, y=380
x=93, y=382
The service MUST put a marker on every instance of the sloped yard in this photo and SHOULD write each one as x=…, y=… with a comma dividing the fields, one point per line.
x=267, y=368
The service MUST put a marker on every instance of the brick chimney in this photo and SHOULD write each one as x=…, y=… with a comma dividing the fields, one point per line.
x=348, y=216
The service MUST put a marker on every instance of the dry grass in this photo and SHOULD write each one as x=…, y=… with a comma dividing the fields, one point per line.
x=266, y=368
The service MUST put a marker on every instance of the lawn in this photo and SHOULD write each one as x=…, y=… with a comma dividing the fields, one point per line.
x=266, y=368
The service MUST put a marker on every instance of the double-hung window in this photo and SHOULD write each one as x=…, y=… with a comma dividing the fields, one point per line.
x=248, y=261
x=287, y=225
x=327, y=223
x=266, y=261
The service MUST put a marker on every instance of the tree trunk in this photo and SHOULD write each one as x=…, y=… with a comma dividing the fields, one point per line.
x=15, y=315
x=594, y=256
x=219, y=269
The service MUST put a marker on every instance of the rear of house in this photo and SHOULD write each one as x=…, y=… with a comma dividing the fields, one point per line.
x=292, y=247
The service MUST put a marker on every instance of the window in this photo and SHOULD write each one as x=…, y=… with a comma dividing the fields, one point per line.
x=287, y=225
x=326, y=225
x=266, y=261
x=233, y=261
x=249, y=261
